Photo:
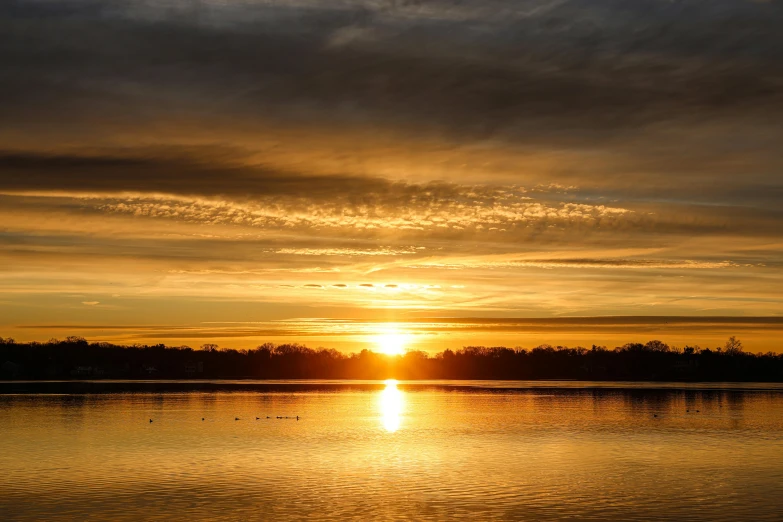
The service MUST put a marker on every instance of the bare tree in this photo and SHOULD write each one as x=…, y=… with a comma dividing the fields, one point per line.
x=656, y=346
x=733, y=346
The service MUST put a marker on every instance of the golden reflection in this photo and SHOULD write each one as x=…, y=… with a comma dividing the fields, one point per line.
x=391, y=404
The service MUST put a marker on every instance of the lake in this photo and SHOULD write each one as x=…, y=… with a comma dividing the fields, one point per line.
x=455, y=450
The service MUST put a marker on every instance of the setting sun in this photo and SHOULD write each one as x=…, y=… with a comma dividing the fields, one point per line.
x=391, y=343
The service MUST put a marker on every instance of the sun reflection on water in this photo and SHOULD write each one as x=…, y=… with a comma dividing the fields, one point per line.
x=391, y=404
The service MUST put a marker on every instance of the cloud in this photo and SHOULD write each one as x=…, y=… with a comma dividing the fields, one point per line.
x=195, y=190
x=653, y=100
x=608, y=263
x=214, y=187
x=485, y=156
x=473, y=69
x=444, y=331
x=173, y=172
x=382, y=251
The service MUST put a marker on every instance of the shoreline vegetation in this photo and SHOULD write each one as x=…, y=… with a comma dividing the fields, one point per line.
x=76, y=358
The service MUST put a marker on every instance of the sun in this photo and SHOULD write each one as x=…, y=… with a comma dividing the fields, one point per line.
x=391, y=343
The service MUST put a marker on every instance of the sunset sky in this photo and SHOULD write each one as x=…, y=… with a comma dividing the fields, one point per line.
x=327, y=172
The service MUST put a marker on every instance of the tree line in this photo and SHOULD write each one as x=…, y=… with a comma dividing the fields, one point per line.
x=76, y=358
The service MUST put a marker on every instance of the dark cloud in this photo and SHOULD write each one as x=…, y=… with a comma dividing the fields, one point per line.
x=169, y=172
x=543, y=70
x=573, y=76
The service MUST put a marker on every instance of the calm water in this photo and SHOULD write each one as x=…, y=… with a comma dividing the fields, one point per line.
x=372, y=451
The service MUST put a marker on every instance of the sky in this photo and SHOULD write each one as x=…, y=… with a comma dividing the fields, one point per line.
x=472, y=172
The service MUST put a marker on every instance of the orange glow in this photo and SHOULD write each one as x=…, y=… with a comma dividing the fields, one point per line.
x=391, y=342
x=391, y=404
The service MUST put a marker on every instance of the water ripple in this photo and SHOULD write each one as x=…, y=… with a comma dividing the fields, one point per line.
x=461, y=454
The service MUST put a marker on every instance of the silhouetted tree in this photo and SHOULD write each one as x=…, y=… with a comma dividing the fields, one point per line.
x=733, y=346
x=656, y=346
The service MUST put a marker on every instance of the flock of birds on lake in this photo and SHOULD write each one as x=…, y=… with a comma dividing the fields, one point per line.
x=258, y=418
x=686, y=411
x=297, y=417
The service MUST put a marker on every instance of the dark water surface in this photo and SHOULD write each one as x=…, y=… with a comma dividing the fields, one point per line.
x=384, y=451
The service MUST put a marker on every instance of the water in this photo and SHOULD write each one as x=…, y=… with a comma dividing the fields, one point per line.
x=375, y=451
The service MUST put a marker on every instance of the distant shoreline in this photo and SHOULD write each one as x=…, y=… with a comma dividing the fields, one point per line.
x=79, y=387
x=76, y=360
